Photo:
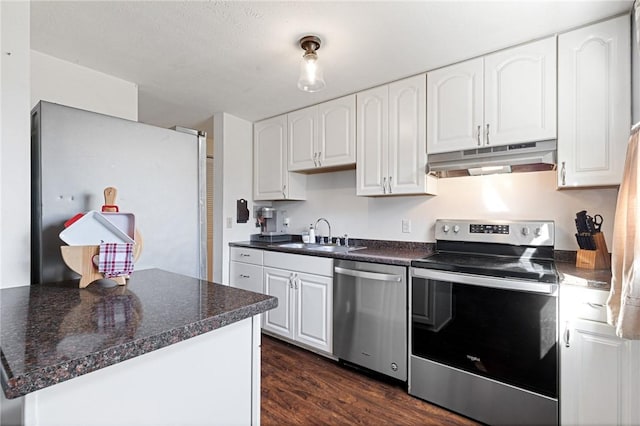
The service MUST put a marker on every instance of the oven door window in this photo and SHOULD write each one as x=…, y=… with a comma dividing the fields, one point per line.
x=506, y=335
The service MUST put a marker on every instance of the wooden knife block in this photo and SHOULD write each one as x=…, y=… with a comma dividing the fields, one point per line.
x=594, y=259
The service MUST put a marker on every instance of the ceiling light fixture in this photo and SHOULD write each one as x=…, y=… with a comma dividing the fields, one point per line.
x=311, y=79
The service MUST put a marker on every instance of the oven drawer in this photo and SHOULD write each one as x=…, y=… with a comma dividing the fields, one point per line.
x=583, y=303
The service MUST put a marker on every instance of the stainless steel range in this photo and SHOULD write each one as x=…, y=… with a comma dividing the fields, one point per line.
x=484, y=322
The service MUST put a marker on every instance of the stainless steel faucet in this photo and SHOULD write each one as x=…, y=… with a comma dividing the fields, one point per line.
x=328, y=225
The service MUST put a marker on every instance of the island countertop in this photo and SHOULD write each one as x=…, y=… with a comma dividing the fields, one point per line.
x=50, y=333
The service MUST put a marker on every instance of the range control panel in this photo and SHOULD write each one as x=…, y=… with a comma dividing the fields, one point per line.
x=476, y=228
x=530, y=232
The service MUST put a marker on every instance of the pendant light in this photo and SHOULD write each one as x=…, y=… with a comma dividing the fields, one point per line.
x=311, y=79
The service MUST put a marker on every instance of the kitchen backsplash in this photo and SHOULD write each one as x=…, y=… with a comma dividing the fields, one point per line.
x=508, y=196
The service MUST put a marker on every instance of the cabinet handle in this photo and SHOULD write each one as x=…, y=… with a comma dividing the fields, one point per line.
x=319, y=161
x=315, y=161
x=244, y=276
x=563, y=174
x=595, y=305
x=245, y=255
x=478, y=136
x=284, y=191
x=566, y=336
x=390, y=177
x=487, y=138
x=384, y=185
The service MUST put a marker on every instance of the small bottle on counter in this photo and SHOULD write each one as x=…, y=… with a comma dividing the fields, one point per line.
x=312, y=234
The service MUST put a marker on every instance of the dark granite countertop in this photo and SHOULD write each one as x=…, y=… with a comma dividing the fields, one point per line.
x=376, y=251
x=402, y=253
x=54, y=332
x=599, y=279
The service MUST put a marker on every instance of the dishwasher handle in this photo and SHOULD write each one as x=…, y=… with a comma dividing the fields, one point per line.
x=367, y=275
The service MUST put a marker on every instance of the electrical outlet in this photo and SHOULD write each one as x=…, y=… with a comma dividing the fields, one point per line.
x=229, y=222
x=406, y=226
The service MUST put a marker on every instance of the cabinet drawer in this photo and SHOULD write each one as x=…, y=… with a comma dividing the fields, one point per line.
x=299, y=262
x=584, y=303
x=247, y=255
x=246, y=276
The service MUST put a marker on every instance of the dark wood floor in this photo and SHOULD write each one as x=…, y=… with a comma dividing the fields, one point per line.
x=302, y=388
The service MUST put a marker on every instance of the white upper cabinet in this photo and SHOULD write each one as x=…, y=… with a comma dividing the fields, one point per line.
x=391, y=140
x=303, y=133
x=455, y=107
x=594, y=103
x=271, y=179
x=520, y=94
x=373, y=140
x=503, y=98
x=323, y=136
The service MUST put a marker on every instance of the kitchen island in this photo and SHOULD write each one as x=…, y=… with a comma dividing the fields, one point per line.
x=164, y=349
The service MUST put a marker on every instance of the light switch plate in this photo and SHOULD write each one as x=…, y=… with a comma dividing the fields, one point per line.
x=406, y=226
x=229, y=222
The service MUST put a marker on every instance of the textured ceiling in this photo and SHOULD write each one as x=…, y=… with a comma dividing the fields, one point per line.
x=191, y=59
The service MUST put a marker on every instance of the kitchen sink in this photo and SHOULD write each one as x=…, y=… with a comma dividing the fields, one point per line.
x=329, y=248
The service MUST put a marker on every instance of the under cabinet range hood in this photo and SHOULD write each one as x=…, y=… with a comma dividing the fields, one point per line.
x=521, y=157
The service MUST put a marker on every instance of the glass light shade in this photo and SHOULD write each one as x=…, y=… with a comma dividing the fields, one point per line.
x=311, y=78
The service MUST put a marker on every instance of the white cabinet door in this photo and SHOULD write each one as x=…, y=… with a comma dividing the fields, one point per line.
x=246, y=255
x=592, y=376
x=594, y=103
x=599, y=372
x=455, y=107
x=303, y=131
x=407, y=153
x=270, y=158
x=278, y=283
x=391, y=140
x=246, y=276
x=372, y=141
x=337, y=132
x=271, y=178
x=520, y=94
x=314, y=312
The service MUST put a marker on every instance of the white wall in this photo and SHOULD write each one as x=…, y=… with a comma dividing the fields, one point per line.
x=63, y=82
x=22, y=84
x=508, y=196
x=14, y=162
x=14, y=144
x=233, y=177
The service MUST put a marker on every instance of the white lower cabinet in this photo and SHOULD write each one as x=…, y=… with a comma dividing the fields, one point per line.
x=305, y=299
x=245, y=269
x=600, y=372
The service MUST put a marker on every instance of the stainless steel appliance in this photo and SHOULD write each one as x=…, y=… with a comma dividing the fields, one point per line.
x=271, y=221
x=484, y=322
x=159, y=173
x=370, y=316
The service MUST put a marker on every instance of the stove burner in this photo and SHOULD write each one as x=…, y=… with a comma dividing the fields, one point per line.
x=495, y=248
x=540, y=270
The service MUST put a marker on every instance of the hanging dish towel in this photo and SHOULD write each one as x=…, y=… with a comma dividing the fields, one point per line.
x=623, y=305
x=115, y=259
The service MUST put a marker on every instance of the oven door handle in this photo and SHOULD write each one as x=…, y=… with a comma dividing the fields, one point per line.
x=367, y=275
x=482, y=281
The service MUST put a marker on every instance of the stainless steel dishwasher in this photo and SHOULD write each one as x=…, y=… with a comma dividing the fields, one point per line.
x=370, y=316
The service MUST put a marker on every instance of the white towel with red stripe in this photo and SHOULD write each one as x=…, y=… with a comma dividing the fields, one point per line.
x=115, y=259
